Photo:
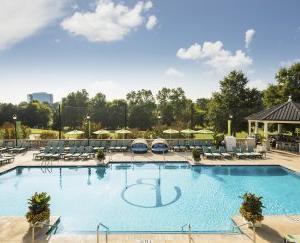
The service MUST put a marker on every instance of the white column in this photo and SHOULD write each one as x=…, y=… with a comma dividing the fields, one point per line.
x=266, y=130
x=256, y=127
x=279, y=128
x=249, y=128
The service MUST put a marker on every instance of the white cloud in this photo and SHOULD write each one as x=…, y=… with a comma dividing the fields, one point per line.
x=174, y=72
x=109, y=21
x=20, y=19
x=249, y=37
x=152, y=22
x=288, y=63
x=214, y=55
x=258, y=84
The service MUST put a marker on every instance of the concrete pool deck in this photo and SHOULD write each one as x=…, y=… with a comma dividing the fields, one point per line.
x=274, y=227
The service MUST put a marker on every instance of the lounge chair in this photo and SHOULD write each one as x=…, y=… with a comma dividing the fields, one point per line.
x=124, y=146
x=207, y=153
x=182, y=145
x=57, y=153
x=78, y=152
x=176, y=146
x=112, y=146
x=253, y=153
x=292, y=238
x=238, y=153
x=215, y=152
x=223, y=152
x=69, y=155
x=6, y=158
x=42, y=155
x=90, y=152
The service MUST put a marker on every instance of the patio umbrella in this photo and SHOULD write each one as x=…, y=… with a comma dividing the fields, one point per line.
x=75, y=132
x=189, y=132
x=123, y=131
x=205, y=131
x=101, y=132
x=171, y=131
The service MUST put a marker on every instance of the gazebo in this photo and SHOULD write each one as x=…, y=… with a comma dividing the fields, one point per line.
x=286, y=113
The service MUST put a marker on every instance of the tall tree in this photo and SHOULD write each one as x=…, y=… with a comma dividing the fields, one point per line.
x=235, y=99
x=75, y=108
x=288, y=84
x=99, y=110
x=142, y=109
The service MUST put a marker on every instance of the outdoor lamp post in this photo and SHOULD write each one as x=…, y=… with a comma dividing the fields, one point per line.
x=15, y=121
x=89, y=127
x=229, y=125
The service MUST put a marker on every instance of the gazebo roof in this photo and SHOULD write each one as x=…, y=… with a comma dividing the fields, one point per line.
x=287, y=112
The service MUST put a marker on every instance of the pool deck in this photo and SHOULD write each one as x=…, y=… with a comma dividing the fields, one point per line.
x=274, y=227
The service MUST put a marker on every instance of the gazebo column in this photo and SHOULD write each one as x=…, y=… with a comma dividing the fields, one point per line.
x=279, y=128
x=249, y=127
x=266, y=130
x=256, y=128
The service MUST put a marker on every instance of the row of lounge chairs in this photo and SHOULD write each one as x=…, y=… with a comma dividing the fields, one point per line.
x=6, y=159
x=56, y=153
x=11, y=148
x=183, y=145
x=240, y=153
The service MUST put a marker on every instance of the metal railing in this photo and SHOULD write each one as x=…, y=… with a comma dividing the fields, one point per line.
x=35, y=225
x=186, y=225
x=106, y=231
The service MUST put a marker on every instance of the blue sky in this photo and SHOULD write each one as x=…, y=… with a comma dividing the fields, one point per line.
x=114, y=46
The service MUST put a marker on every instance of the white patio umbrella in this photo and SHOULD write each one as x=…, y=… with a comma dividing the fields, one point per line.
x=75, y=132
x=101, y=132
x=189, y=132
x=123, y=131
x=205, y=131
x=170, y=131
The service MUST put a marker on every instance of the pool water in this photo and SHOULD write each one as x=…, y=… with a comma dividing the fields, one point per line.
x=149, y=197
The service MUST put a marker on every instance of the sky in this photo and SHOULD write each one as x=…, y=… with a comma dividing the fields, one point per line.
x=113, y=47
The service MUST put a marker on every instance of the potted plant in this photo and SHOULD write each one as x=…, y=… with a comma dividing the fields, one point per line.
x=251, y=210
x=39, y=210
x=196, y=155
x=100, y=156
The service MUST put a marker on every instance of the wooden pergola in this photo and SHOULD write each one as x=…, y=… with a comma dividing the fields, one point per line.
x=286, y=113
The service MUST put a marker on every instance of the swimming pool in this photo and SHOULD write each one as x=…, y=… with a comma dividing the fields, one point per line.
x=149, y=197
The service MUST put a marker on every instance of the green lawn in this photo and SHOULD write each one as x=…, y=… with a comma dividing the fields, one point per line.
x=39, y=131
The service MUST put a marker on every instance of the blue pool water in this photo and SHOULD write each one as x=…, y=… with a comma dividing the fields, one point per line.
x=150, y=197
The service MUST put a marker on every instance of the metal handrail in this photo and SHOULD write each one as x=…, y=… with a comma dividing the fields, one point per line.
x=106, y=231
x=189, y=227
x=240, y=225
x=44, y=224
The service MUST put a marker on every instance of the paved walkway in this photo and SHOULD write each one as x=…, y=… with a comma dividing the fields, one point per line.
x=273, y=229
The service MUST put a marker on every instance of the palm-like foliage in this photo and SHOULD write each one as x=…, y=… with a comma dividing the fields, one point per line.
x=251, y=208
x=38, y=207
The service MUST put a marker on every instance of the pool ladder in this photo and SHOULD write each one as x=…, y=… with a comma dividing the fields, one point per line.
x=106, y=231
x=186, y=225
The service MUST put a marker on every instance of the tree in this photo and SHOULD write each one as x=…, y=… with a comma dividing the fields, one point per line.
x=35, y=114
x=173, y=105
x=288, y=84
x=98, y=109
x=142, y=109
x=116, y=114
x=235, y=99
x=75, y=108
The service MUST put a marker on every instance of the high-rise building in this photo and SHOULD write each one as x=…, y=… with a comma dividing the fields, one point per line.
x=41, y=97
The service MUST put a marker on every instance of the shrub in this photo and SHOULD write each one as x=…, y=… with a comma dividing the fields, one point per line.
x=100, y=155
x=48, y=135
x=196, y=154
x=39, y=210
x=251, y=208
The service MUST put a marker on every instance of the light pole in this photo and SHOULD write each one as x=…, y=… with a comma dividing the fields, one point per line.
x=229, y=125
x=15, y=121
x=89, y=127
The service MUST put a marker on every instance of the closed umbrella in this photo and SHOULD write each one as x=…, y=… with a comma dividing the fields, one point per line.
x=170, y=131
